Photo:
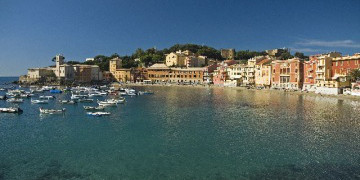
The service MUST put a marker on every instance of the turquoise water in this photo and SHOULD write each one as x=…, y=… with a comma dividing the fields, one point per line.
x=187, y=133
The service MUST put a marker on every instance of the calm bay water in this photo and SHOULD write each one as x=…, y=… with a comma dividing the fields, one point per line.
x=187, y=133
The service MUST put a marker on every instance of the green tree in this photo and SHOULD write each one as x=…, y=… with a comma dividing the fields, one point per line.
x=300, y=55
x=355, y=75
x=73, y=62
x=247, y=54
x=285, y=55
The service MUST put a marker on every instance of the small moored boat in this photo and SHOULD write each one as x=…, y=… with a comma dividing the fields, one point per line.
x=11, y=110
x=98, y=113
x=15, y=100
x=86, y=100
x=46, y=97
x=94, y=108
x=3, y=97
x=38, y=101
x=67, y=101
x=51, y=111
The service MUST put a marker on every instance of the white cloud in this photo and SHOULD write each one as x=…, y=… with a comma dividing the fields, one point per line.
x=307, y=50
x=320, y=43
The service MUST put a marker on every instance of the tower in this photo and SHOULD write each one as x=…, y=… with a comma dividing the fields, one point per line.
x=114, y=64
x=59, y=60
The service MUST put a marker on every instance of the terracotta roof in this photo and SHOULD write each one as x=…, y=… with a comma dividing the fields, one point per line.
x=263, y=61
x=158, y=66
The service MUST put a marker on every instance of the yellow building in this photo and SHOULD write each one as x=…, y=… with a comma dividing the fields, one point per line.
x=263, y=73
x=160, y=73
x=175, y=59
x=120, y=74
x=324, y=69
x=184, y=59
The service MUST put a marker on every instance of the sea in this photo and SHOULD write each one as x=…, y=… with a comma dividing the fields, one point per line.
x=185, y=133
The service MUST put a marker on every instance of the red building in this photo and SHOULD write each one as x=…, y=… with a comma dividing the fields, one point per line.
x=287, y=74
x=341, y=66
x=310, y=74
x=219, y=76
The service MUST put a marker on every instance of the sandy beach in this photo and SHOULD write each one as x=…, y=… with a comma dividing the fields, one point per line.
x=340, y=96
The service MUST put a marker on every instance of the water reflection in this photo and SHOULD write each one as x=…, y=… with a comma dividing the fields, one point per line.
x=188, y=133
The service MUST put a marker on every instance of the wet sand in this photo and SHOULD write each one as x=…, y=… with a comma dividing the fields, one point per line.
x=340, y=96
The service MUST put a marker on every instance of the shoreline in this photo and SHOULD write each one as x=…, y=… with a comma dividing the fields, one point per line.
x=313, y=94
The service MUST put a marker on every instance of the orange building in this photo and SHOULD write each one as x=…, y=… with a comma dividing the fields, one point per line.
x=287, y=74
x=160, y=73
x=310, y=74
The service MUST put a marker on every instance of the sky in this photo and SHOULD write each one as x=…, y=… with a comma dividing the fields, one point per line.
x=32, y=32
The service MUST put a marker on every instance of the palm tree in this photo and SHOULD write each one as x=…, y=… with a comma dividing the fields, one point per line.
x=355, y=75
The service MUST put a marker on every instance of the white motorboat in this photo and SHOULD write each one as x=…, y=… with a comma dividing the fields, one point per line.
x=15, y=100
x=86, y=100
x=116, y=101
x=106, y=103
x=47, y=88
x=94, y=108
x=25, y=95
x=98, y=113
x=78, y=96
x=51, y=111
x=3, y=97
x=67, y=101
x=46, y=97
x=95, y=95
x=11, y=110
x=38, y=101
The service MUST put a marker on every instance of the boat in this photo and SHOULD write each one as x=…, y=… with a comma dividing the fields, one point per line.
x=57, y=91
x=38, y=101
x=51, y=111
x=144, y=93
x=86, y=100
x=67, y=101
x=95, y=95
x=11, y=110
x=116, y=101
x=46, y=97
x=98, y=113
x=106, y=103
x=94, y=108
x=47, y=88
x=3, y=97
x=25, y=96
x=78, y=96
x=15, y=100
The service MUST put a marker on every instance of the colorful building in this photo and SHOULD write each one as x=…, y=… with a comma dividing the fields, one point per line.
x=310, y=74
x=263, y=73
x=287, y=74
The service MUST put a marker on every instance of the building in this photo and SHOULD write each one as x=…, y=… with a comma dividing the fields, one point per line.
x=310, y=74
x=228, y=53
x=263, y=73
x=276, y=52
x=184, y=59
x=82, y=73
x=89, y=59
x=191, y=75
x=234, y=75
x=324, y=68
x=342, y=66
x=220, y=76
x=39, y=74
x=287, y=74
x=158, y=73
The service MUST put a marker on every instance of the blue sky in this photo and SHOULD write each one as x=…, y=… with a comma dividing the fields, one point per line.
x=32, y=32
